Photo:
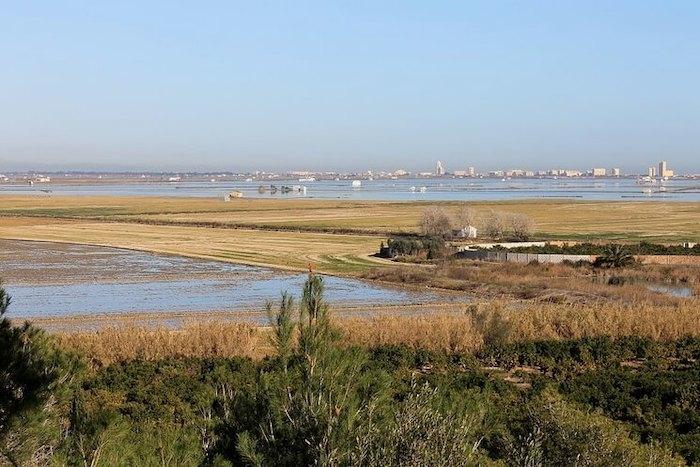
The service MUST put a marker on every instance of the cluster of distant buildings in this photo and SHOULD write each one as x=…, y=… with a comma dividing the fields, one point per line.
x=29, y=179
x=662, y=172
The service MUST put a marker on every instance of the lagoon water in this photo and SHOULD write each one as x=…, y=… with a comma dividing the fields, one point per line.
x=396, y=190
x=49, y=279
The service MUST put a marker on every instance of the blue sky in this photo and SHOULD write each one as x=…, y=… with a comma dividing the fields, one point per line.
x=349, y=85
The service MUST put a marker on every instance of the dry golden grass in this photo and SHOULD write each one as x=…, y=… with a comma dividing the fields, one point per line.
x=626, y=220
x=561, y=219
x=208, y=339
x=550, y=321
x=467, y=332
x=451, y=332
x=445, y=332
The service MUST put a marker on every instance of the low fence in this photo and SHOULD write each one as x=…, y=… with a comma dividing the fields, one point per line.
x=502, y=256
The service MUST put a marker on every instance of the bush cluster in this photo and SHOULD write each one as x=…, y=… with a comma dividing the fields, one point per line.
x=415, y=246
x=642, y=248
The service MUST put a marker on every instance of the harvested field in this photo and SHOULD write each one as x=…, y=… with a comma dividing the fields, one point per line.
x=328, y=253
x=561, y=219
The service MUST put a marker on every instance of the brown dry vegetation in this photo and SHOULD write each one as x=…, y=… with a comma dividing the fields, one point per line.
x=543, y=282
x=465, y=331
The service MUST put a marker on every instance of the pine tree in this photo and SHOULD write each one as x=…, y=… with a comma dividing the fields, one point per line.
x=33, y=383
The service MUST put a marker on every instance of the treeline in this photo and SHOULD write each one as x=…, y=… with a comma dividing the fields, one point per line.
x=317, y=401
x=642, y=248
x=496, y=225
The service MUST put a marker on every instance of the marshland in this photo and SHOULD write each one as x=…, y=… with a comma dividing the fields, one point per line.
x=222, y=324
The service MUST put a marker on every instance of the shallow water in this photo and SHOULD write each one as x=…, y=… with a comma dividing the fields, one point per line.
x=670, y=289
x=194, y=295
x=397, y=190
x=678, y=291
x=49, y=279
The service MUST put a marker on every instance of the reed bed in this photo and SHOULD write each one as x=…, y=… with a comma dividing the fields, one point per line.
x=464, y=332
x=544, y=281
x=206, y=339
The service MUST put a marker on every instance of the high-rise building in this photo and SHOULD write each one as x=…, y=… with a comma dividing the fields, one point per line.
x=471, y=171
x=663, y=171
x=598, y=172
x=651, y=172
x=615, y=172
x=439, y=169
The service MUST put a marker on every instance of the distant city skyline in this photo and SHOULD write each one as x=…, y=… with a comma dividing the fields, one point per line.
x=660, y=169
x=349, y=86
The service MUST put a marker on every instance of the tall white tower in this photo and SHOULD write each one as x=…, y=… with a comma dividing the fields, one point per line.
x=439, y=169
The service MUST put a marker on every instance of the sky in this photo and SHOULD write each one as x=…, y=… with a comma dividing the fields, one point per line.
x=349, y=85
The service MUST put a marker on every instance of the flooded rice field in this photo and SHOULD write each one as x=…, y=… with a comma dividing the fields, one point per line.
x=51, y=280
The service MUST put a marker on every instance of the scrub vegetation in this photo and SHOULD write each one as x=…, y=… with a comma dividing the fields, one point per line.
x=495, y=384
x=642, y=248
x=634, y=284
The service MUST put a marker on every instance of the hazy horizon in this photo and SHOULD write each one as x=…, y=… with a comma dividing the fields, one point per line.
x=331, y=86
x=234, y=168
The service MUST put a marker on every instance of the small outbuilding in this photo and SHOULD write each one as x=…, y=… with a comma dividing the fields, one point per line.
x=466, y=232
x=233, y=194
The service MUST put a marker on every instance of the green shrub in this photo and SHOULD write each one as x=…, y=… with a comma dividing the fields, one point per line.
x=35, y=377
x=614, y=256
x=313, y=399
x=659, y=405
x=595, y=249
x=431, y=247
x=554, y=432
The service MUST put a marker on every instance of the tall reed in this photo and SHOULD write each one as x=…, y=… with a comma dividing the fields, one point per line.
x=464, y=331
